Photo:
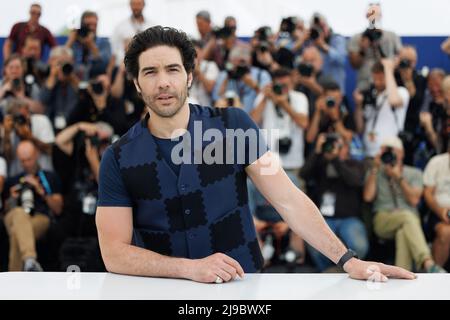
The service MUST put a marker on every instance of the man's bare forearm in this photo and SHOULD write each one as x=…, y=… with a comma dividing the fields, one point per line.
x=132, y=260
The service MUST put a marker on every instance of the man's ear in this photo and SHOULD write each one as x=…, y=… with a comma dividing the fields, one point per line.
x=189, y=79
x=138, y=87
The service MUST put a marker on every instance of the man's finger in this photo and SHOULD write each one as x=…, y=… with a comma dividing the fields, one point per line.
x=229, y=269
x=396, y=272
x=225, y=276
x=235, y=264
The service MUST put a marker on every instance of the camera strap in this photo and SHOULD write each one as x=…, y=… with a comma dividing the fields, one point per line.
x=393, y=193
x=378, y=107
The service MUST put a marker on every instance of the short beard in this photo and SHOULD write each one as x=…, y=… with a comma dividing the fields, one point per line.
x=166, y=112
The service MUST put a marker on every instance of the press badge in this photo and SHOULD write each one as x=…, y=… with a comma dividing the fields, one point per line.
x=328, y=204
x=60, y=122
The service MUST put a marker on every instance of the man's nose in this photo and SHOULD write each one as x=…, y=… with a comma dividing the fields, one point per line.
x=163, y=80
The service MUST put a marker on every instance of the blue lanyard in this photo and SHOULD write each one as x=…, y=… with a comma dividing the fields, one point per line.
x=44, y=182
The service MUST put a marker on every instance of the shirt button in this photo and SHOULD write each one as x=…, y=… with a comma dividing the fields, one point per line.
x=191, y=236
x=187, y=211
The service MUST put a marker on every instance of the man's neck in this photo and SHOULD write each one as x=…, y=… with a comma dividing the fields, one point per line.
x=138, y=19
x=165, y=127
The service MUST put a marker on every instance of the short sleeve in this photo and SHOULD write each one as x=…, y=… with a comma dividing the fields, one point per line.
x=255, y=142
x=111, y=189
x=429, y=175
x=3, y=168
x=416, y=178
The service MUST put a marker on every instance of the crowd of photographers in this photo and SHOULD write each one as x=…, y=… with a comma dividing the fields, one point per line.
x=375, y=160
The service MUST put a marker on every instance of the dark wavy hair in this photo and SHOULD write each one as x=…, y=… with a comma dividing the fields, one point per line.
x=157, y=36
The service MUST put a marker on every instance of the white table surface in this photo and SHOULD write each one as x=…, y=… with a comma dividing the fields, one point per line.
x=50, y=285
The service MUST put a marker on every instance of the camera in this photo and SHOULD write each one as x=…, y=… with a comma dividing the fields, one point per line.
x=223, y=33
x=97, y=87
x=238, y=72
x=284, y=145
x=263, y=46
x=404, y=64
x=372, y=34
x=305, y=69
x=330, y=102
x=329, y=144
x=264, y=33
x=314, y=33
x=16, y=84
x=370, y=96
x=83, y=32
x=388, y=157
x=230, y=96
x=26, y=195
x=67, y=68
x=288, y=25
x=277, y=89
x=20, y=119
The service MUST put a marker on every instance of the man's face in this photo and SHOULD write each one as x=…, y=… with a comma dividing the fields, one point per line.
x=32, y=49
x=162, y=80
x=137, y=6
x=435, y=86
x=35, y=13
x=203, y=25
x=91, y=23
x=312, y=56
x=28, y=157
x=408, y=54
x=379, y=81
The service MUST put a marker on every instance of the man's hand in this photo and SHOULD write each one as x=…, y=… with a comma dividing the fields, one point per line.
x=388, y=65
x=217, y=265
x=36, y=184
x=319, y=143
x=280, y=229
x=358, y=97
x=426, y=120
x=375, y=271
x=89, y=129
x=24, y=131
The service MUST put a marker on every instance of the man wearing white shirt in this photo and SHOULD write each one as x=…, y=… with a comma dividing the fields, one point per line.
x=381, y=111
x=127, y=28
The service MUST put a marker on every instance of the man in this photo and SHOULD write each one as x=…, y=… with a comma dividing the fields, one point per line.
x=396, y=190
x=34, y=194
x=60, y=90
x=241, y=78
x=20, y=31
x=91, y=53
x=339, y=181
x=407, y=76
x=436, y=179
x=373, y=44
x=19, y=125
x=204, y=26
x=127, y=28
x=380, y=111
x=332, y=47
x=153, y=208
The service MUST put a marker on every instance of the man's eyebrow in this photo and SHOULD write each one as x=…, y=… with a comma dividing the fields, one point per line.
x=173, y=65
x=148, y=69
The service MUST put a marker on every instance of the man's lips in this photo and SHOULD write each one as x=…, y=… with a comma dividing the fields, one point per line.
x=164, y=97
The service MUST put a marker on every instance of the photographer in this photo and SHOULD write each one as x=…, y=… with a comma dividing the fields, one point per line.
x=308, y=76
x=97, y=104
x=381, y=110
x=279, y=107
x=370, y=46
x=332, y=47
x=331, y=115
x=21, y=30
x=240, y=77
x=32, y=197
x=221, y=42
x=204, y=27
x=82, y=145
x=263, y=49
x=435, y=113
x=60, y=91
x=91, y=53
x=407, y=76
x=339, y=181
x=19, y=125
x=396, y=191
x=15, y=85
x=205, y=75
x=436, y=179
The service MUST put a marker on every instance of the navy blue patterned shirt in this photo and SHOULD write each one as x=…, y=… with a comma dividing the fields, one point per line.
x=199, y=211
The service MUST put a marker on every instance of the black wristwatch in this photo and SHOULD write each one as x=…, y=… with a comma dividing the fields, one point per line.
x=347, y=256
